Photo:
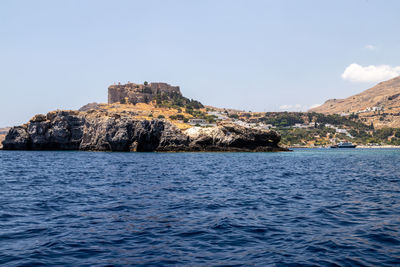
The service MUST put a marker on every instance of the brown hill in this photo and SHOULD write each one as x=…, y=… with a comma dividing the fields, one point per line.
x=379, y=104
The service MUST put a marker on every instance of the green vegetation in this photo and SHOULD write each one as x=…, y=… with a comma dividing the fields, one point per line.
x=175, y=100
x=385, y=136
x=282, y=119
x=178, y=117
x=358, y=132
x=233, y=116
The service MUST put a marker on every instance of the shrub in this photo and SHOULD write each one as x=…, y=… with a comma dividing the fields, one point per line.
x=179, y=117
x=233, y=116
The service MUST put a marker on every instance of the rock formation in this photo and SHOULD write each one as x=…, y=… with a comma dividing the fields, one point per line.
x=231, y=137
x=103, y=131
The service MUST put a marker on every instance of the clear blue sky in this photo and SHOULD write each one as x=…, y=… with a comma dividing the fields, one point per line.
x=252, y=55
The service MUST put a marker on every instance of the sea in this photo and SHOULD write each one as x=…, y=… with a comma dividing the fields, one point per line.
x=309, y=207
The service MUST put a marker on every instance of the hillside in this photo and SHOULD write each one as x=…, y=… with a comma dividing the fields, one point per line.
x=379, y=105
x=296, y=128
x=178, y=115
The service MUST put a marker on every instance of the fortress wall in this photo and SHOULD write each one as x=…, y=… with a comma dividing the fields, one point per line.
x=117, y=93
x=164, y=87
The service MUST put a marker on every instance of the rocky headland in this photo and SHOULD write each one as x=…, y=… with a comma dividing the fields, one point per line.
x=99, y=130
x=139, y=117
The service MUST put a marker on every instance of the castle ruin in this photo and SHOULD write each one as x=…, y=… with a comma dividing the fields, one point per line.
x=140, y=93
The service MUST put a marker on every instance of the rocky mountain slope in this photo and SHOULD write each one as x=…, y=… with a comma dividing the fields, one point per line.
x=98, y=130
x=379, y=104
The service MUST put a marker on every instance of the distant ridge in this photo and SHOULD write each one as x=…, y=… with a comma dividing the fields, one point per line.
x=379, y=104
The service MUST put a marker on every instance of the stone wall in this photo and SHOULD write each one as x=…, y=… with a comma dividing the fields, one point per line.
x=139, y=93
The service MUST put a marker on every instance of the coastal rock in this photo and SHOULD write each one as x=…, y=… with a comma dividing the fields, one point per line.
x=61, y=130
x=17, y=139
x=103, y=131
x=232, y=137
x=121, y=134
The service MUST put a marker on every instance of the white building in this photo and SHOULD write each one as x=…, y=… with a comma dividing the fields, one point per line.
x=219, y=115
x=304, y=126
x=343, y=131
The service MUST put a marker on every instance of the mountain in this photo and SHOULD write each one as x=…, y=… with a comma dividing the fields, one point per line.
x=379, y=105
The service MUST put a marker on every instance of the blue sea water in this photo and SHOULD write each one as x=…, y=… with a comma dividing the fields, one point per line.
x=309, y=207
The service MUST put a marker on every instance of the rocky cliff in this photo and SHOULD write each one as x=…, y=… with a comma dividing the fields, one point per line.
x=103, y=131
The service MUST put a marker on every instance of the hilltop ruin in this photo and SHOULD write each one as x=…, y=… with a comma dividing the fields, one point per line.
x=141, y=93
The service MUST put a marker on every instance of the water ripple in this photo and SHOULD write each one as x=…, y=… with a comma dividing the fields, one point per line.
x=308, y=208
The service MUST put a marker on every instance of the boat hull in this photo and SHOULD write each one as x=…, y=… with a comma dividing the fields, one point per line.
x=348, y=146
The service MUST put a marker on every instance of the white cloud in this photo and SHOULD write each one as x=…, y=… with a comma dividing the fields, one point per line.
x=372, y=73
x=297, y=107
x=285, y=107
x=294, y=107
x=370, y=47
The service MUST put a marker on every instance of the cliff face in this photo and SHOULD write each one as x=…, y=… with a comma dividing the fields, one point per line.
x=230, y=136
x=102, y=131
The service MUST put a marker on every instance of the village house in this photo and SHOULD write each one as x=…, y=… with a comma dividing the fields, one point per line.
x=304, y=126
x=219, y=115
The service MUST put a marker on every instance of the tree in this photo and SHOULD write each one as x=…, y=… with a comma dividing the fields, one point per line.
x=145, y=83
